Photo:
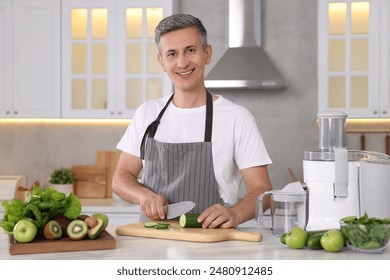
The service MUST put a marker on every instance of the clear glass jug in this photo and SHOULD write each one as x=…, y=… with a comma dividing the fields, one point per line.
x=287, y=210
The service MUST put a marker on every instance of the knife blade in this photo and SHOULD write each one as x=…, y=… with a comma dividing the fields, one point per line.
x=177, y=209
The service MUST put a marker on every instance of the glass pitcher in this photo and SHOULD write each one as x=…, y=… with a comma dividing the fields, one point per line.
x=287, y=210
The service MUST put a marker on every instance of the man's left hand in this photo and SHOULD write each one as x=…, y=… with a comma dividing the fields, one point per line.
x=218, y=215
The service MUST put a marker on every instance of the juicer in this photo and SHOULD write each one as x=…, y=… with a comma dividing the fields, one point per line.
x=343, y=182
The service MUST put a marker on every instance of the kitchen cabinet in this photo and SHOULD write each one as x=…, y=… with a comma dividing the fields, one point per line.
x=353, y=57
x=30, y=58
x=118, y=211
x=109, y=64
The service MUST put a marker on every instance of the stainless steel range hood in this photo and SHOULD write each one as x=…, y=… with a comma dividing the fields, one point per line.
x=245, y=65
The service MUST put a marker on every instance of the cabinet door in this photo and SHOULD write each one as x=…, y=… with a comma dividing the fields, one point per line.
x=385, y=59
x=348, y=57
x=109, y=57
x=5, y=58
x=140, y=76
x=36, y=58
x=88, y=58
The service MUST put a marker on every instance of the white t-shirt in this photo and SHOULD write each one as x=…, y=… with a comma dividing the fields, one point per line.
x=236, y=140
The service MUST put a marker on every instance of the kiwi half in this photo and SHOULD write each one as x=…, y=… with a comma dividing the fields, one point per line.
x=52, y=230
x=77, y=229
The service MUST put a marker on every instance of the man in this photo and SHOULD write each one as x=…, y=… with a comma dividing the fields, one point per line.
x=192, y=145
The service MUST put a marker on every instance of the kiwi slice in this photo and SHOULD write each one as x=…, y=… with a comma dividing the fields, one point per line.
x=77, y=229
x=52, y=230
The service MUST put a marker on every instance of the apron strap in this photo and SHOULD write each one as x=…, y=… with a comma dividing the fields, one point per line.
x=209, y=117
x=152, y=128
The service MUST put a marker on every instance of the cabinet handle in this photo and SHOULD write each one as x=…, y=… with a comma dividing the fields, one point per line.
x=384, y=112
x=119, y=113
x=15, y=112
x=375, y=112
x=8, y=112
x=111, y=113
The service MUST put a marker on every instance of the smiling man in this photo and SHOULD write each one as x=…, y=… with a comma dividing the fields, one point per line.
x=193, y=145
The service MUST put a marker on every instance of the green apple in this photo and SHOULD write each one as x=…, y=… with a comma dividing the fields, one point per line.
x=296, y=238
x=25, y=231
x=332, y=240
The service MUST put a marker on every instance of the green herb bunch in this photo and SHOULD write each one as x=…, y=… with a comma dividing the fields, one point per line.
x=61, y=176
x=40, y=207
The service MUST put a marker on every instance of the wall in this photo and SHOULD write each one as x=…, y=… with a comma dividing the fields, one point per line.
x=35, y=149
x=286, y=118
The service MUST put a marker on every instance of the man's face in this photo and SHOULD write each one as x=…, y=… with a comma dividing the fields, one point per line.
x=184, y=58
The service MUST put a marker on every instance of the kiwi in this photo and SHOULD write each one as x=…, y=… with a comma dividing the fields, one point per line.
x=77, y=229
x=63, y=222
x=52, y=230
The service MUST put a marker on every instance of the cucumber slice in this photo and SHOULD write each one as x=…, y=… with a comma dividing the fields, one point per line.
x=190, y=221
x=150, y=224
x=156, y=225
x=161, y=226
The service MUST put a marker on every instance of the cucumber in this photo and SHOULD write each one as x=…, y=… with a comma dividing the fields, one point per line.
x=310, y=233
x=190, y=221
x=282, y=238
x=314, y=241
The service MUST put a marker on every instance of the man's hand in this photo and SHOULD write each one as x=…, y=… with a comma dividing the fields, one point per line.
x=219, y=216
x=152, y=205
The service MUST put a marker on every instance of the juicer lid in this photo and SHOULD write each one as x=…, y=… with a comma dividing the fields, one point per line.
x=292, y=192
x=332, y=114
x=353, y=155
x=280, y=196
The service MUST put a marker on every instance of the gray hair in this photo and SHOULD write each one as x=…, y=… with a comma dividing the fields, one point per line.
x=180, y=21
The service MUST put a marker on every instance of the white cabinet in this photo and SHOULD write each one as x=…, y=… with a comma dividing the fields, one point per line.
x=118, y=211
x=5, y=58
x=109, y=58
x=353, y=57
x=30, y=58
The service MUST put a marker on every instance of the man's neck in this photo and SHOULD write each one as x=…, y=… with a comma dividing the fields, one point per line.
x=189, y=99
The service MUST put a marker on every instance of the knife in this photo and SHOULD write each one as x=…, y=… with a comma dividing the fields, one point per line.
x=177, y=209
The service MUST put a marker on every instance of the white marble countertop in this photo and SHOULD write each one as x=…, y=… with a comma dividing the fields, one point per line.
x=137, y=248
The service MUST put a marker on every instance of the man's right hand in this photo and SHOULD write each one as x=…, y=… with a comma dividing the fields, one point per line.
x=152, y=205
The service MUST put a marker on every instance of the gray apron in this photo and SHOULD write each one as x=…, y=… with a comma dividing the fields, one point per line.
x=181, y=171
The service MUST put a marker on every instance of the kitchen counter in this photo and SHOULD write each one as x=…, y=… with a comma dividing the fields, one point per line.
x=137, y=248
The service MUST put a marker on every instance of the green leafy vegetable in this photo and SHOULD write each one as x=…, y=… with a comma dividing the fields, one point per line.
x=40, y=207
x=366, y=232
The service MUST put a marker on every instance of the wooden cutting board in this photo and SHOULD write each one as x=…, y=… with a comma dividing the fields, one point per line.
x=109, y=160
x=89, y=181
x=176, y=232
x=103, y=242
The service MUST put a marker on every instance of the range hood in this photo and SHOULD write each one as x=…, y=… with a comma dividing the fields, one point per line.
x=244, y=65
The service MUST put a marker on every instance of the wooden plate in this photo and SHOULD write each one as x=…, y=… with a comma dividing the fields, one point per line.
x=103, y=242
